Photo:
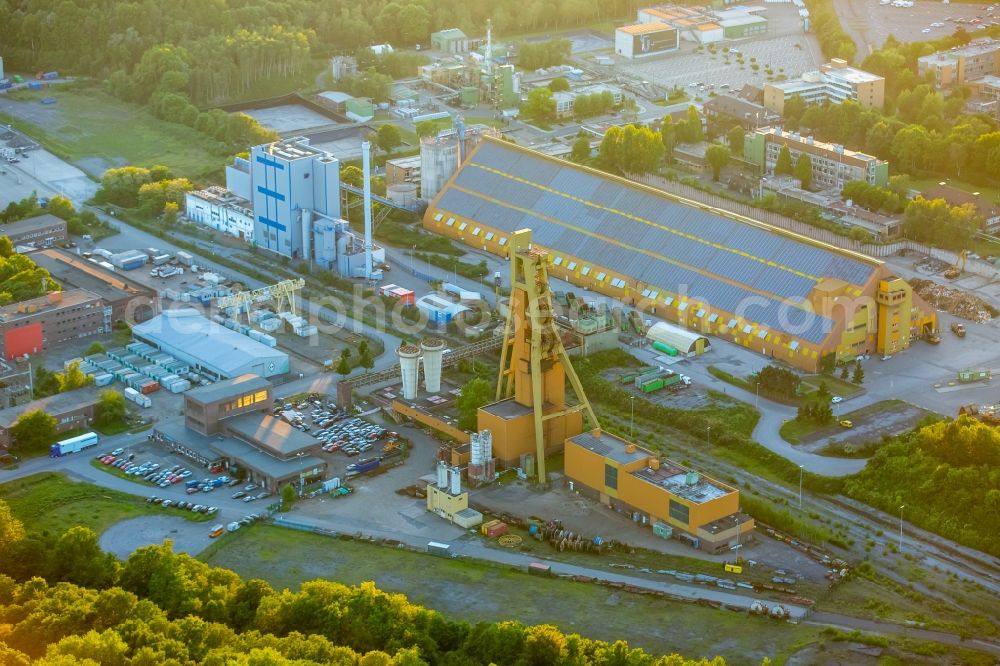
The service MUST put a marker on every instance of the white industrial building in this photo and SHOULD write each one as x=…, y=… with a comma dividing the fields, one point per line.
x=218, y=208
x=643, y=40
x=208, y=347
x=440, y=155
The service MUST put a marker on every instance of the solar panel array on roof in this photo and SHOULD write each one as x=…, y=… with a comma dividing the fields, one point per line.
x=713, y=259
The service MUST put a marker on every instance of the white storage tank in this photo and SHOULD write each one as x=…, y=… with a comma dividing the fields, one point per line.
x=409, y=369
x=433, y=349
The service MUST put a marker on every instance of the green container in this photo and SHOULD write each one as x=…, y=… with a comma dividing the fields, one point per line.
x=665, y=348
x=652, y=385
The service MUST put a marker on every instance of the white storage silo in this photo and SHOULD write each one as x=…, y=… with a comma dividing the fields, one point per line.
x=456, y=481
x=475, y=448
x=442, y=475
x=486, y=445
x=409, y=368
x=438, y=161
x=433, y=349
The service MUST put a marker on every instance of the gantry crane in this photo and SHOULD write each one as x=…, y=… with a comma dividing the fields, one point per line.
x=280, y=292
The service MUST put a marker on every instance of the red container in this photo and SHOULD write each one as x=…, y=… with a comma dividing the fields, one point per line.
x=497, y=530
x=151, y=387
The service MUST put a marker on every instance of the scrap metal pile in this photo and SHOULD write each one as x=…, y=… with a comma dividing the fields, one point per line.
x=955, y=301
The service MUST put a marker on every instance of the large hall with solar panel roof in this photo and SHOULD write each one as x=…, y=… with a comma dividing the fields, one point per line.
x=783, y=295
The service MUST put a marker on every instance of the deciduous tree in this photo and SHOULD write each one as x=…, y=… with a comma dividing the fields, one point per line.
x=474, y=395
x=718, y=157
x=33, y=432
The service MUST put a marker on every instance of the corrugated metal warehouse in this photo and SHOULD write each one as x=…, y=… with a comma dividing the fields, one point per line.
x=209, y=347
x=717, y=273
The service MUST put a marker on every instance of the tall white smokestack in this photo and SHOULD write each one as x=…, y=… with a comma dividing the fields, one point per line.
x=409, y=368
x=442, y=475
x=433, y=349
x=366, y=167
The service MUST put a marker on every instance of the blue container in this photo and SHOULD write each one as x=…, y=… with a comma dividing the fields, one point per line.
x=533, y=530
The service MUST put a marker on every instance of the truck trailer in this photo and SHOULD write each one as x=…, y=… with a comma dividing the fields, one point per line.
x=363, y=466
x=74, y=444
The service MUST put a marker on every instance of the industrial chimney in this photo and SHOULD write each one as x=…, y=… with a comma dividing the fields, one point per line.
x=433, y=349
x=366, y=167
x=409, y=368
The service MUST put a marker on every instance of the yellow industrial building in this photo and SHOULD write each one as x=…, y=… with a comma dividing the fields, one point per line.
x=676, y=501
x=783, y=295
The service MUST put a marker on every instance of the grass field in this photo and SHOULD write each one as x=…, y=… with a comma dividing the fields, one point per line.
x=87, y=123
x=835, y=385
x=51, y=503
x=795, y=432
x=476, y=591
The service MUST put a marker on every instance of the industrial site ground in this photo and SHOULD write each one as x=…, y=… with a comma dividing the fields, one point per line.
x=918, y=586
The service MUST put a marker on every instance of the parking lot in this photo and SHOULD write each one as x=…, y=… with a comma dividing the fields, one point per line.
x=870, y=23
x=785, y=49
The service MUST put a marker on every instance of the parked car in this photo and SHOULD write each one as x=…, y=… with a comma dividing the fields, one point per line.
x=238, y=495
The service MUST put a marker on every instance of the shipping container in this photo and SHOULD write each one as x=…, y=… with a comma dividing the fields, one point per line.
x=435, y=548
x=185, y=258
x=539, y=569
x=50, y=76
x=103, y=379
x=652, y=385
x=161, y=259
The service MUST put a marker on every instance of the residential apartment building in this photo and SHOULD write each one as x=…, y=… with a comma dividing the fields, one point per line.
x=289, y=181
x=31, y=326
x=961, y=65
x=218, y=208
x=832, y=164
x=835, y=81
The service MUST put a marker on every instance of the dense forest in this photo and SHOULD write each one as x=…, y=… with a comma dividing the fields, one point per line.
x=225, y=46
x=64, y=601
x=947, y=475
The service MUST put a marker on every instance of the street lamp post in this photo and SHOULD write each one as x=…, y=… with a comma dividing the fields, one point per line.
x=709, y=436
x=756, y=400
x=800, y=487
x=901, y=507
x=412, y=250
x=631, y=423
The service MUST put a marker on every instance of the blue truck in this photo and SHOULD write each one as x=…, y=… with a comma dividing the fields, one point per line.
x=363, y=466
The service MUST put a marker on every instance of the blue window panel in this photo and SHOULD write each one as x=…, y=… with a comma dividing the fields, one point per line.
x=269, y=162
x=271, y=223
x=270, y=193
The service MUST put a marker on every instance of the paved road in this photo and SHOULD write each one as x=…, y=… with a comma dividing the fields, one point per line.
x=464, y=546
